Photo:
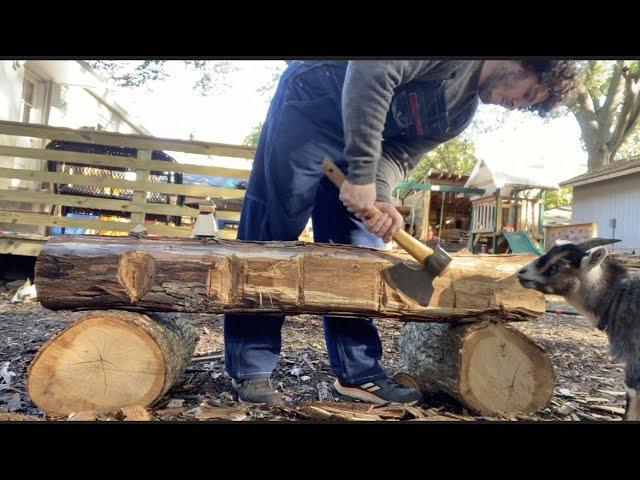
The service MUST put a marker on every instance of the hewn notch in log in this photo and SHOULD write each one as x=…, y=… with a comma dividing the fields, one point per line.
x=136, y=273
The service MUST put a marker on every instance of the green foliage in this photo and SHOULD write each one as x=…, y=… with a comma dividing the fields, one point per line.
x=267, y=90
x=631, y=147
x=455, y=156
x=559, y=198
x=133, y=74
x=251, y=140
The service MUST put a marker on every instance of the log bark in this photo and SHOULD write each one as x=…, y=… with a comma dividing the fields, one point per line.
x=489, y=367
x=190, y=275
x=110, y=359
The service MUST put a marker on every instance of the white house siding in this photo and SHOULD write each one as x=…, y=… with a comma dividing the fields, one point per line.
x=617, y=198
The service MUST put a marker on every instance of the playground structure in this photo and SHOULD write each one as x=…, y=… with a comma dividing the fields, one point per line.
x=507, y=217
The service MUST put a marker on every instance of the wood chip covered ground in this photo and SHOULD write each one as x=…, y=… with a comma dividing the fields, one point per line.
x=589, y=384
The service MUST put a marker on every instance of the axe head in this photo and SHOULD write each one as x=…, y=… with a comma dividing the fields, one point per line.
x=417, y=283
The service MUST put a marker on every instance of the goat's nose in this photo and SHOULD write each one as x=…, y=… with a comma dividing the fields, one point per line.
x=522, y=272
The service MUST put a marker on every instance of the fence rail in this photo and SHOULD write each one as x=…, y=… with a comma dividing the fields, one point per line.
x=135, y=191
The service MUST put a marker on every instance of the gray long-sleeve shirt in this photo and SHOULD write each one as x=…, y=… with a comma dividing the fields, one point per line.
x=368, y=89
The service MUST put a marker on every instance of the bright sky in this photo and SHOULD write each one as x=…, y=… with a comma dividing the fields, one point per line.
x=174, y=110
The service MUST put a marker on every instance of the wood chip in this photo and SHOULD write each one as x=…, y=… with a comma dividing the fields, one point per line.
x=466, y=418
x=597, y=399
x=85, y=416
x=170, y=413
x=417, y=412
x=14, y=402
x=235, y=414
x=306, y=360
x=324, y=391
x=134, y=413
x=563, y=392
x=613, y=392
x=18, y=417
x=567, y=409
x=607, y=409
x=175, y=403
x=390, y=411
x=586, y=416
x=339, y=411
x=207, y=358
x=434, y=418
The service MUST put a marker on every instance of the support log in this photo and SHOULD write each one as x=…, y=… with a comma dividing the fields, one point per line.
x=489, y=367
x=110, y=359
x=191, y=275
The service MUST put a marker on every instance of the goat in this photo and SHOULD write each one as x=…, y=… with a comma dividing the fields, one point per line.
x=603, y=290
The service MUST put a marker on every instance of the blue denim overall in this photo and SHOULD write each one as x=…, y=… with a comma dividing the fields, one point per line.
x=287, y=187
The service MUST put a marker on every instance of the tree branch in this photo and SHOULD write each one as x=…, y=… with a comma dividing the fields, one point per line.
x=585, y=115
x=605, y=114
x=619, y=135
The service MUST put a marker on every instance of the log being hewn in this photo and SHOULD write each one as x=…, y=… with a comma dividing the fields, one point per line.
x=110, y=359
x=488, y=366
x=190, y=275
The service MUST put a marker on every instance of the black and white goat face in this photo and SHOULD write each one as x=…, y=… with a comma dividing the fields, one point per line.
x=564, y=269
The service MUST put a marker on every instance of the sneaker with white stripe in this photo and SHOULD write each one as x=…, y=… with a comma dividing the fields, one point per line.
x=379, y=392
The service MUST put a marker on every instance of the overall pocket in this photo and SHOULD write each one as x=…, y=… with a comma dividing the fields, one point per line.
x=418, y=109
x=311, y=82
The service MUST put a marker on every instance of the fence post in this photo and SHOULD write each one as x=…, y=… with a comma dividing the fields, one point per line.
x=142, y=175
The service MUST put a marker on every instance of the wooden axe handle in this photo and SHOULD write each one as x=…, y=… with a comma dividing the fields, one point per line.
x=414, y=247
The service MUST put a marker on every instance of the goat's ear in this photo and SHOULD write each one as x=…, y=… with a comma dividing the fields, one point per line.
x=561, y=241
x=594, y=257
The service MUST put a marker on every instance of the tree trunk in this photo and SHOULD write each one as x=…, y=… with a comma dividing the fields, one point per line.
x=107, y=360
x=189, y=275
x=488, y=367
x=598, y=157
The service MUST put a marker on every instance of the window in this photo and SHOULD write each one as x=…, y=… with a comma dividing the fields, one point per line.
x=28, y=99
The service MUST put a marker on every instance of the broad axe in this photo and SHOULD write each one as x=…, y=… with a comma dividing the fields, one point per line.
x=416, y=283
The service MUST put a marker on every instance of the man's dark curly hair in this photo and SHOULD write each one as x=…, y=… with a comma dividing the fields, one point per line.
x=559, y=76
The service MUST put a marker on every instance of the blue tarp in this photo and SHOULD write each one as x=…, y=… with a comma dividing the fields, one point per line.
x=74, y=230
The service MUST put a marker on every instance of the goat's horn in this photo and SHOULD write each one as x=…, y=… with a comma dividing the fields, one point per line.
x=597, y=242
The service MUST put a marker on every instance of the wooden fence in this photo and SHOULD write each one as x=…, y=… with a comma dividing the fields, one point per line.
x=46, y=203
